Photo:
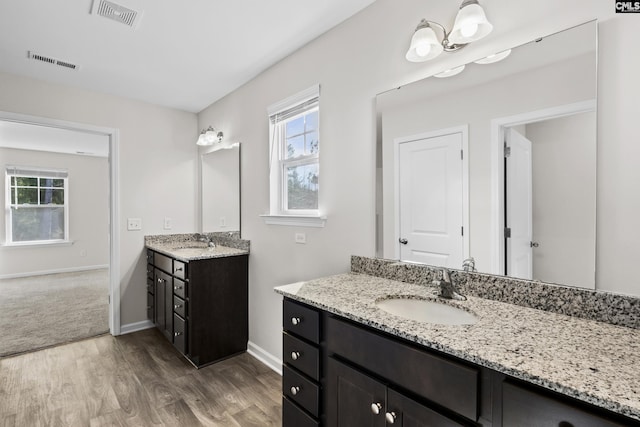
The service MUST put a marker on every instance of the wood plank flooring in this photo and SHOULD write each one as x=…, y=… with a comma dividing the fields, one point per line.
x=137, y=379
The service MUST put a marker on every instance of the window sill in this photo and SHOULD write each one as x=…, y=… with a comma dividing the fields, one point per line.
x=295, y=220
x=36, y=244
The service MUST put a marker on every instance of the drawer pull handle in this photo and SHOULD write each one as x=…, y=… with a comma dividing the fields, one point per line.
x=177, y=288
x=376, y=408
x=296, y=321
x=390, y=417
x=177, y=334
x=177, y=306
x=175, y=270
x=295, y=390
x=295, y=355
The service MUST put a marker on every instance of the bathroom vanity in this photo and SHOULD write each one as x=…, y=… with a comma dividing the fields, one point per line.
x=347, y=362
x=197, y=296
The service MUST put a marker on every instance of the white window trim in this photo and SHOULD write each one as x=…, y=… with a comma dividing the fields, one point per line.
x=35, y=172
x=278, y=215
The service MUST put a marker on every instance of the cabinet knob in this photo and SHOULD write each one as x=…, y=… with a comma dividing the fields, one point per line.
x=376, y=408
x=296, y=321
x=177, y=288
x=177, y=334
x=175, y=270
x=390, y=417
x=159, y=280
x=295, y=390
x=295, y=355
x=177, y=306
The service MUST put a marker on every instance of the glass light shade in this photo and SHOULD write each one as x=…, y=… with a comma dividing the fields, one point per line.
x=210, y=135
x=450, y=72
x=202, y=139
x=494, y=58
x=470, y=25
x=424, y=45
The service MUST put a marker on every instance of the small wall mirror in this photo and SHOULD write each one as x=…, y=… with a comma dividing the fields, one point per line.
x=496, y=163
x=220, y=189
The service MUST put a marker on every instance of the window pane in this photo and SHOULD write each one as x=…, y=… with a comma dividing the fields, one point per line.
x=26, y=182
x=295, y=127
x=295, y=147
x=312, y=142
x=302, y=187
x=27, y=196
x=312, y=121
x=37, y=224
x=51, y=182
x=13, y=197
x=51, y=196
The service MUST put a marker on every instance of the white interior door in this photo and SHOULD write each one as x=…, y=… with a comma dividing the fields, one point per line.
x=519, y=205
x=431, y=201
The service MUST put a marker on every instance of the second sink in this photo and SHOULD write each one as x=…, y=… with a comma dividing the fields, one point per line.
x=427, y=311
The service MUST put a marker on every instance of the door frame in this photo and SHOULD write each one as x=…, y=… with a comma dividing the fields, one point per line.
x=462, y=129
x=498, y=126
x=114, y=213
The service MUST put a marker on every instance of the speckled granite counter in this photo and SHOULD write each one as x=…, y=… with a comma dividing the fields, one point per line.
x=186, y=247
x=592, y=361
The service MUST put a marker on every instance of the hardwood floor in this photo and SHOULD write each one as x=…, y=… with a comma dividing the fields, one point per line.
x=134, y=380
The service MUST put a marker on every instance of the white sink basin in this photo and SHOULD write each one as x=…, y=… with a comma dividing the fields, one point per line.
x=426, y=311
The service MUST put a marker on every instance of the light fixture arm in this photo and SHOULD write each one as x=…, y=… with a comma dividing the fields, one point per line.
x=446, y=45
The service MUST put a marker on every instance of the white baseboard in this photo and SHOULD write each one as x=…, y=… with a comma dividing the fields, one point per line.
x=135, y=327
x=56, y=271
x=265, y=357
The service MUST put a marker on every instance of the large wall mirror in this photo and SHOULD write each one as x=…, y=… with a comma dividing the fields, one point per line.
x=220, y=189
x=497, y=163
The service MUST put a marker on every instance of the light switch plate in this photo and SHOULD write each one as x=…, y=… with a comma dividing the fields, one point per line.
x=134, y=224
x=168, y=223
x=301, y=238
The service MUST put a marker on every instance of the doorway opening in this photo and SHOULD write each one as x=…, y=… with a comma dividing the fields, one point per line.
x=83, y=246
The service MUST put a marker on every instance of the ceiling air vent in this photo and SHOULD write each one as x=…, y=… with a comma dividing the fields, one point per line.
x=116, y=12
x=52, y=61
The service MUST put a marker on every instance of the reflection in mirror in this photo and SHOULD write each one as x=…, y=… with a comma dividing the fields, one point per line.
x=220, y=190
x=529, y=215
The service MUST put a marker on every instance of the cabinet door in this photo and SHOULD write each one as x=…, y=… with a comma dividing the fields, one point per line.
x=168, y=308
x=405, y=412
x=160, y=277
x=353, y=398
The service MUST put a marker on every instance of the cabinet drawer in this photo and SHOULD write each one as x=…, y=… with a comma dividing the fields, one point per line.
x=300, y=390
x=151, y=288
x=149, y=271
x=179, y=307
x=296, y=417
x=301, y=320
x=302, y=356
x=179, y=269
x=523, y=407
x=179, y=333
x=163, y=262
x=149, y=256
x=180, y=288
x=448, y=383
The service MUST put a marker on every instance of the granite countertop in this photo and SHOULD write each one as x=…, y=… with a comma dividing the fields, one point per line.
x=592, y=361
x=194, y=250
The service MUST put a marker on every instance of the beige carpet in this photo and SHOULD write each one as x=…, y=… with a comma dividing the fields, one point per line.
x=41, y=311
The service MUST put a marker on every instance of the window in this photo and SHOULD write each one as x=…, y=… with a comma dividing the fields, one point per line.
x=36, y=205
x=295, y=155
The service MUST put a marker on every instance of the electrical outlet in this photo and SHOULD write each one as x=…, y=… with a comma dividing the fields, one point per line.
x=83, y=252
x=223, y=221
x=168, y=223
x=301, y=238
x=134, y=224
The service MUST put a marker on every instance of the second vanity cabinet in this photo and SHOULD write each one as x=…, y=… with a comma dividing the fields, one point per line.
x=200, y=306
x=355, y=375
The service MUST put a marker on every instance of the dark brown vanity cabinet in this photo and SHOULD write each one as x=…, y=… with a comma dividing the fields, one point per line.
x=342, y=373
x=200, y=306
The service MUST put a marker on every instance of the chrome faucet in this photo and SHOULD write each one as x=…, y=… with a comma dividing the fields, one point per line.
x=469, y=264
x=447, y=288
x=206, y=239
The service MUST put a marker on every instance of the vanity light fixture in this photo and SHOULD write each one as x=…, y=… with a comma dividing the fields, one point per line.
x=494, y=58
x=209, y=136
x=470, y=25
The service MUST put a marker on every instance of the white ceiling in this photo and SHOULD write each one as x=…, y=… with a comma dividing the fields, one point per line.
x=183, y=54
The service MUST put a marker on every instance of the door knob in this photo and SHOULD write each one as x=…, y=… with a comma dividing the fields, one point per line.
x=403, y=241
